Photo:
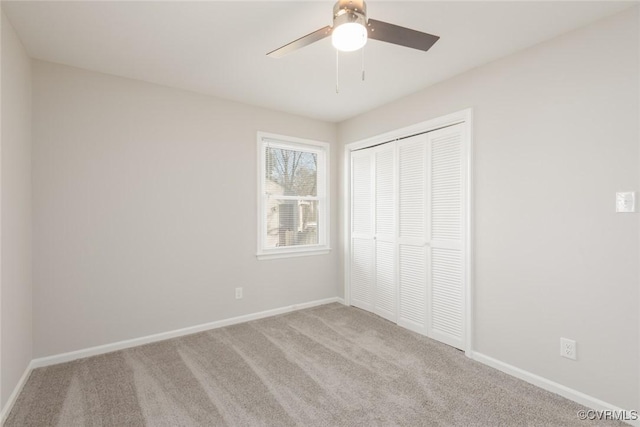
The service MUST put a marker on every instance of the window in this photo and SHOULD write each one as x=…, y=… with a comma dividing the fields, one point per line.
x=293, y=202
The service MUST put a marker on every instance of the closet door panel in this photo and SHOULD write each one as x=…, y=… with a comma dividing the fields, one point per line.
x=362, y=228
x=412, y=215
x=446, y=262
x=385, y=230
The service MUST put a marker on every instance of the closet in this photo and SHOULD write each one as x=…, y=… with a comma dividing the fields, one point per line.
x=408, y=235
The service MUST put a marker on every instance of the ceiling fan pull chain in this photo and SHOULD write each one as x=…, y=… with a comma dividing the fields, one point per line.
x=337, y=70
x=363, y=63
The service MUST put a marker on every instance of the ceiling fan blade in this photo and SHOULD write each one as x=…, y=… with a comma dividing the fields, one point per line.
x=301, y=42
x=402, y=36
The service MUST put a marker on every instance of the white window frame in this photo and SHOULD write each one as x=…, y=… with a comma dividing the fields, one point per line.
x=321, y=149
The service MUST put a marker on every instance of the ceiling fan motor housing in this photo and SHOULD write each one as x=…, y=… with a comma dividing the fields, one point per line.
x=347, y=11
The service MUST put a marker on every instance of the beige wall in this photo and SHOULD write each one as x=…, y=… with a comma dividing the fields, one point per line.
x=145, y=211
x=15, y=231
x=555, y=136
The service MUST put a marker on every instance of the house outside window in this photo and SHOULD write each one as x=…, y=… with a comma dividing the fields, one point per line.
x=293, y=202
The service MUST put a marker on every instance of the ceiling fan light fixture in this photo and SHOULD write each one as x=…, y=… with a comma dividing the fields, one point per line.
x=349, y=30
x=349, y=36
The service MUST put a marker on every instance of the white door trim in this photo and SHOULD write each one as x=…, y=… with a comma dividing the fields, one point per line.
x=465, y=117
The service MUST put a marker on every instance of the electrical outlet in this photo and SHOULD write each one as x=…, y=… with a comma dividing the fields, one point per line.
x=568, y=348
x=238, y=293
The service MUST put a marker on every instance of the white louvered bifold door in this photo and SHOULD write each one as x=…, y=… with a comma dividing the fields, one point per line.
x=445, y=229
x=362, y=268
x=407, y=232
x=412, y=233
x=385, y=232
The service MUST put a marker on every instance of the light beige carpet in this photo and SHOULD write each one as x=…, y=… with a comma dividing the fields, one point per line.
x=327, y=366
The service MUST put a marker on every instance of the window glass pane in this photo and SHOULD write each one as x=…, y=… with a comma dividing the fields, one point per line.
x=290, y=172
x=291, y=222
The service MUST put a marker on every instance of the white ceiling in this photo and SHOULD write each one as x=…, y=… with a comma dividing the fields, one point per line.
x=219, y=48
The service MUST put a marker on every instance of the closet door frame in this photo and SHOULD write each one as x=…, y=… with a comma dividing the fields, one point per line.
x=465, y=118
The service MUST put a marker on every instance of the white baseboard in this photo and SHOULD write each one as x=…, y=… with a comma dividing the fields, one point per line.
x=120, y=345
x=546, y=384
x=4, y=413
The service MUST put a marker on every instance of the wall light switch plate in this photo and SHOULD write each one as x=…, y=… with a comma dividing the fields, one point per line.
x=626, y=201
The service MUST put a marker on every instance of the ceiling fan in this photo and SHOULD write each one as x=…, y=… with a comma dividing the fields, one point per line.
x=351, y=29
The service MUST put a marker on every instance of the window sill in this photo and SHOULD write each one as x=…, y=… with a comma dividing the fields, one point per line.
x=293, y=253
